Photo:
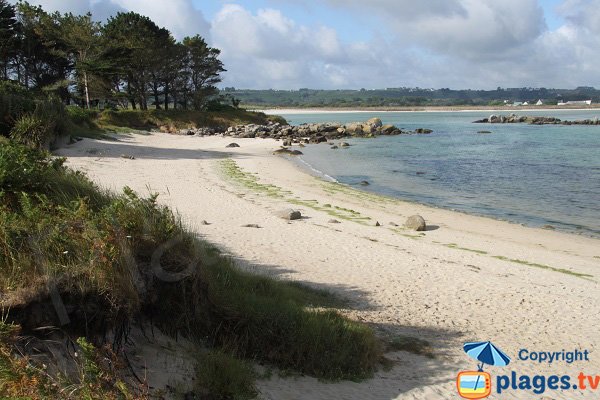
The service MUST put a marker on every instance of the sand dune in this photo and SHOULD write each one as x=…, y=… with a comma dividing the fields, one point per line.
x=468, y=278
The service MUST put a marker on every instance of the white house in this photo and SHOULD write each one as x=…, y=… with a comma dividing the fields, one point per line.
x=539, y=103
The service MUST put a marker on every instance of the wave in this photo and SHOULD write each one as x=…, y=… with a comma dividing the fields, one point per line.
x=315, y=171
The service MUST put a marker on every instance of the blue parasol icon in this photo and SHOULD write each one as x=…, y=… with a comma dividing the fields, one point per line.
x=486, y=353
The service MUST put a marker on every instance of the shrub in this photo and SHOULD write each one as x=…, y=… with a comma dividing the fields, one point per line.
x=81, y=116
x=225, y=377
x=15, y=101
x=48, y=121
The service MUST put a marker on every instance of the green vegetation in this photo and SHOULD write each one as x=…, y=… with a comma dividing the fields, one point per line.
x=542, y=266
x=172, y=120
x=406, y=97
x=225, y=377
x=115, y=258
x=455, y=246
x=233, y=172
x=128, y=61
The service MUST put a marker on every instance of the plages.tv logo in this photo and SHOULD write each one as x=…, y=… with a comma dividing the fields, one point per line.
x=478, y=384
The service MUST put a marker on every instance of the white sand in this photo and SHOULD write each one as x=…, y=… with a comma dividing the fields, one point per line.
x=402, y=285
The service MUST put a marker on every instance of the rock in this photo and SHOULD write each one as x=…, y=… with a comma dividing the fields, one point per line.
x=289, y=214
x=377, y=223
x=484, y=132
x=364, y=183
x=251, y=226
x=128, y=156
x=354, y=128
x=548, y=227
x=287, y=142
x=288, y=152
x=231, y=145
x=334, y=147
x=387, y=129
x=203, y=222
x=416, y=223
x=344, y=144
x=393, y=224
x=375, y=123
x=423, y=131
x=333, y=221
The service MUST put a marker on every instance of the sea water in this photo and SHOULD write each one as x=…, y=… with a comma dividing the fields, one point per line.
x=535, y=175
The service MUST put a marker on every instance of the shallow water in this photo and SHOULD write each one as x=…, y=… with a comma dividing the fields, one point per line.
x=536, y=175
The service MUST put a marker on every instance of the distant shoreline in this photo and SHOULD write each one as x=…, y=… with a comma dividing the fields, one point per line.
x=336, y=110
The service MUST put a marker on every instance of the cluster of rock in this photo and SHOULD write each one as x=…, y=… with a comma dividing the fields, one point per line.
x=306, y=133
x=524, y=119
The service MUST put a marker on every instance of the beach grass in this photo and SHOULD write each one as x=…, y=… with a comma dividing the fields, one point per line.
x=60, y=234
x=455, y=246
x=172, y=120
x=546, y=267
x=232, y=171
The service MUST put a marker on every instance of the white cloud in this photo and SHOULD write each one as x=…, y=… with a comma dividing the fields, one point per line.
x=179, y=16
x=269, y=49
x=434, y=43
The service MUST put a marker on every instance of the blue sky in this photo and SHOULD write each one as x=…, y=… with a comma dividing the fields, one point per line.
x=290, y=44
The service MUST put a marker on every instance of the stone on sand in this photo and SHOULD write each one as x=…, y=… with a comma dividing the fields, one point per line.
x=416, y=223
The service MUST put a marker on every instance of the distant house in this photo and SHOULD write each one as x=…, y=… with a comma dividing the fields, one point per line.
x=517, y=103
x=576, y=103
x=526, y=104
x=539, y=103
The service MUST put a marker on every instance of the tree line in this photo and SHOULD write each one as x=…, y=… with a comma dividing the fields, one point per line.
x=127, y=61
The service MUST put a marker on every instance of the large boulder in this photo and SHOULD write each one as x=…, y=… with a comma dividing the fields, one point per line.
x=232, y=145
x=354, y=128
x=416, y=223
x=289, y=214
x=375, y=123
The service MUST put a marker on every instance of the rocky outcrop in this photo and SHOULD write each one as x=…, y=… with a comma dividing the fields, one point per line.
x=524, y=119
x=305, y=133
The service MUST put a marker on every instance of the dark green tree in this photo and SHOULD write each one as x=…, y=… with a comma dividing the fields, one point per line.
x=9, y=37
x=204, y=69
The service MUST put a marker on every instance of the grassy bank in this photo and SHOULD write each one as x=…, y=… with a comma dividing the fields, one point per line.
x=113, y=260
x=173, y=120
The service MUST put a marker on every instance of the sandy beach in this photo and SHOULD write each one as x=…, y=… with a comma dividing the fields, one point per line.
x=466, y=278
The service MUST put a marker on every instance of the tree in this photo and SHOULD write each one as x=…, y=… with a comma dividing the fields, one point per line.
x=204, y=68
x=41, y=63
x=82, y=43
x=9, y=39
x=141, y=37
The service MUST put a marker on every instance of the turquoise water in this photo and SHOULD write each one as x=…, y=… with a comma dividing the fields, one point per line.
x=536, y=175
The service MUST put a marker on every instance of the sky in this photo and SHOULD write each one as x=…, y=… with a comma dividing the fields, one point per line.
x=353, y=44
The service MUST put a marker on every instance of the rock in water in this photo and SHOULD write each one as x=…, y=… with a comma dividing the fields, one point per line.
x=289, y=214
x=233, y=145
x=364, y=183
x=416, y=223
x=375, y=123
